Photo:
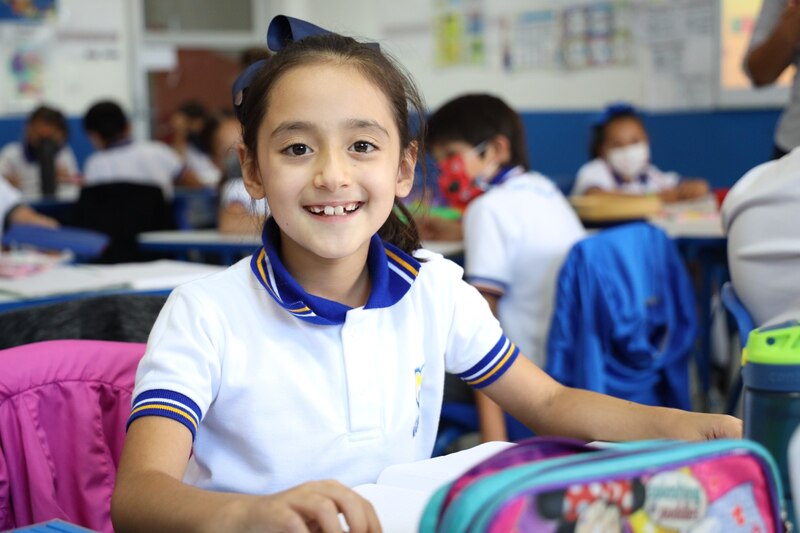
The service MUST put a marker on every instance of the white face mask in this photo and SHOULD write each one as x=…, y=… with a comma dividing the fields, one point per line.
x=630, y=161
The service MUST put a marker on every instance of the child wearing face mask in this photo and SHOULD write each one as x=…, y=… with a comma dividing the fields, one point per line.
x=621, y=162
x=517, y=226
x=46, y=129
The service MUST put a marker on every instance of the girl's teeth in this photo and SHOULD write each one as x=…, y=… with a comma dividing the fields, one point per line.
x=330, y=210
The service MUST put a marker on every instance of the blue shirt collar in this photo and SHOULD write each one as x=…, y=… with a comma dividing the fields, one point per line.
x=119, y=144
x=391, y=271
x=506, y=173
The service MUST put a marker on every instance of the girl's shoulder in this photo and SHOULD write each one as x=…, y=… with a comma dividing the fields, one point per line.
x=436, y=268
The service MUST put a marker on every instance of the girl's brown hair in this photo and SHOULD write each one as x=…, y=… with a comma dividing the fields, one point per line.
x=393, y=81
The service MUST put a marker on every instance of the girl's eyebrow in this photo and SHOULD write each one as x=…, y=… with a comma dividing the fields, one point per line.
x=292, y=126
x=351, y=124
x=363, y=124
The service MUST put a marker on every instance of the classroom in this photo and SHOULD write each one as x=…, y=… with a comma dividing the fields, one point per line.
x=431, y=265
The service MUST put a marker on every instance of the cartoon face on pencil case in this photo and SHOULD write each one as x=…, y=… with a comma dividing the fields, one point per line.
x=553, y=485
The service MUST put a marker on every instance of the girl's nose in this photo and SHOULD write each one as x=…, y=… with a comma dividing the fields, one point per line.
x=332, y=172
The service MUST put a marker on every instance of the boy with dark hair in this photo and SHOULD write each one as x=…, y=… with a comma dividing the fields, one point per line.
x=120, y=158
x=517, y=225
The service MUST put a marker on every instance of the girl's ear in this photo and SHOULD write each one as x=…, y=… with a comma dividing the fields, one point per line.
x=499, y=147
x=250, y=174
x=405, y=174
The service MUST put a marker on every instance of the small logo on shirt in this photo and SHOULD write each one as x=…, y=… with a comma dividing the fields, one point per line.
x=417, y=390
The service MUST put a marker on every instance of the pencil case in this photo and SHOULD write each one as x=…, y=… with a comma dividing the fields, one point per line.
x=560, y=485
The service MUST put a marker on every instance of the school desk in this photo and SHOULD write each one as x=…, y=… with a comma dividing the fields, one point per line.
x=230, y=247
x=65, y=282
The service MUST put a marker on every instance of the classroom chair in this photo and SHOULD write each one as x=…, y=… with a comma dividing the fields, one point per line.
x=624, y=320
x=85, y=245
x=122, y=210
x=744, y=325
x=63, y=409
x=113, y=317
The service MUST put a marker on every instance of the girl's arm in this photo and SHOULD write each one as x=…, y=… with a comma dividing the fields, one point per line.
x=549, y=408
x=150, y=496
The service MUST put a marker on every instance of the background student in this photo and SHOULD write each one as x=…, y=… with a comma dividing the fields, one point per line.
x=13, y=211
x=620, y=152
x=19, y=161
x=761, y=214
x=238, y=212
x=773, y=47
x=322, y=357
x=518, y=227
x=192, y=131
x=120, y=158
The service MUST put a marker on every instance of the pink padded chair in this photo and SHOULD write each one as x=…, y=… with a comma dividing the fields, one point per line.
x=63, y=408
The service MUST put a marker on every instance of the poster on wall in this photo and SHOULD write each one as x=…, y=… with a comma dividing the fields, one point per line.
x=26, y=10
x=533, y=41
x=679, y=55
x=460, y=27
x=24, y=58
x=596, y=35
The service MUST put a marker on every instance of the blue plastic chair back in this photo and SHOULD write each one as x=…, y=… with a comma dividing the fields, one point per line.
x=745, y=324
x=85, y=244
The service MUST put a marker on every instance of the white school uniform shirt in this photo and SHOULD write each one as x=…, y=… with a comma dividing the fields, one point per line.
x=597, y=173
x=233, y=192
x=761, y=214
x=787, y=134
x=279, y=387
x=14, y=162
x=516, y=237
x=144, y=162
x=202, y=165
x=10, y=197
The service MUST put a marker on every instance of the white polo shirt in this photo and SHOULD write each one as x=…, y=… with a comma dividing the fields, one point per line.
x=761, y=214
x=233, y=192
x=597, y=173
x=516, y=237
x=14, y=162
x=10, y=197
x=145, y=162
x=280, y=387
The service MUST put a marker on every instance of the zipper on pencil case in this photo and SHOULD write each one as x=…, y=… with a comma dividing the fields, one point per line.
x=512, y=457
x=631, y=464
x=475, y=495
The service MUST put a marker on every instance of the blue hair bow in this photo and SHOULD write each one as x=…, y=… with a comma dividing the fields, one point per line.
x=282, y=30
x=613, y=110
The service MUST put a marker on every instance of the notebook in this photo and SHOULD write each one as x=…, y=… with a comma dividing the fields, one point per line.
x=401, y=491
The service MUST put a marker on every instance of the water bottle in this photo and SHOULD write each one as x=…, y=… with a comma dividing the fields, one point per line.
x=771, y=374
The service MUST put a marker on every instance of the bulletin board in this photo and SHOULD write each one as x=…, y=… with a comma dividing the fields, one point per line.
x=661, y=54
x=67, y=53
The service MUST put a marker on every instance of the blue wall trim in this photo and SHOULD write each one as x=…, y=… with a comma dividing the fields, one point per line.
x=717, y=145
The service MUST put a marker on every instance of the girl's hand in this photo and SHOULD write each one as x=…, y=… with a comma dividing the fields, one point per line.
x=313, y=506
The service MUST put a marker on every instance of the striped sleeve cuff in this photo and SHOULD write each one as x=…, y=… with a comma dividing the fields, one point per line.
x=169, y=404
x=488, y=285
x=492, y=365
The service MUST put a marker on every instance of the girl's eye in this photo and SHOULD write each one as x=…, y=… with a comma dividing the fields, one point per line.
x=363, y=147
x=297, y=149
